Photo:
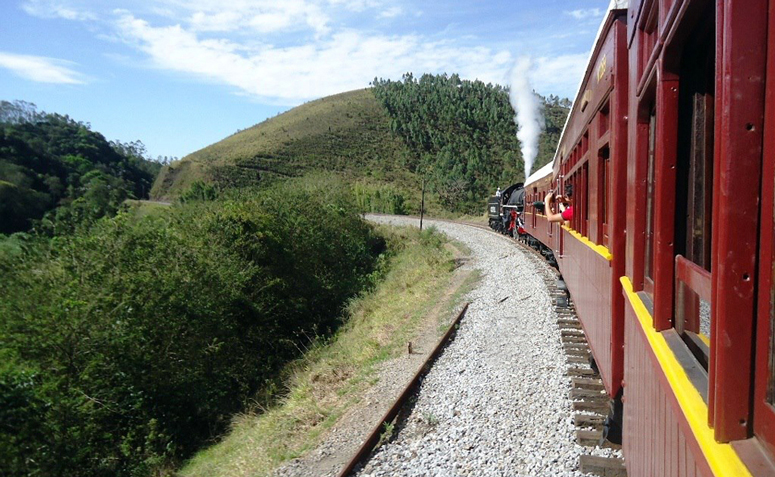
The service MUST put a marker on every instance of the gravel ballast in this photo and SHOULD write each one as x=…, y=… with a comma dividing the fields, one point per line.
x=496, y=402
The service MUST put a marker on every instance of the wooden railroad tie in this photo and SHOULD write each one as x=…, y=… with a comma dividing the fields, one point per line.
x=603, y=466
x=593, y=438
x=599, y=407
x=580, y=372
x=586, y=383
x=569, y=324
x=579, y=394
x=574, y=348
x=576, y=344
x=579, y=352
x=572, y=333
x=594, y=421
x=574, y=339
x=577, y=360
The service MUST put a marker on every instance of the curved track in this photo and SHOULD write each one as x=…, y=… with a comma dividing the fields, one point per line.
x=497, y=401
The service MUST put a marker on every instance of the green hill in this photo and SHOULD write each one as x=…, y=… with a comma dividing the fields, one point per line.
x=56, y=172
x=347, y=132
x=458, y=135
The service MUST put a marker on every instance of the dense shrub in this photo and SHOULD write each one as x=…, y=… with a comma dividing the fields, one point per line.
x=128, y=346
x=380, y=198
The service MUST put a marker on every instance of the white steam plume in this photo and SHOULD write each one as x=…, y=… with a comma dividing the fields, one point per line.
x=529, y=119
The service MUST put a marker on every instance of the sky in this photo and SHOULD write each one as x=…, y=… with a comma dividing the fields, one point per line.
x=179, y=75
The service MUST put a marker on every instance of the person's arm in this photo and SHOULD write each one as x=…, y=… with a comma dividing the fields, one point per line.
x=549, y=203
x=551, y=215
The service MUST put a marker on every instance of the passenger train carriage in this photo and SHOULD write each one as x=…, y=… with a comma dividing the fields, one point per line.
x=670, y=147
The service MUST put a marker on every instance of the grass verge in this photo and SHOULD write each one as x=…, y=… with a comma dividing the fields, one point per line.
x=332, y=376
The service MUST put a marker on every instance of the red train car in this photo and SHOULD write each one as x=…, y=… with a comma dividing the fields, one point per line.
x=670, y=146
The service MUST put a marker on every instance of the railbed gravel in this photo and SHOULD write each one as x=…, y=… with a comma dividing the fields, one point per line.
x=496, y=402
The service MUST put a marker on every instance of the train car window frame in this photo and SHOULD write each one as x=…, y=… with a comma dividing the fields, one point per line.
x=649, y=34
x=764, y=377
x=694, y=189
x=764, y=397
x=604, y=193
x=585, y=194
x=648, y=249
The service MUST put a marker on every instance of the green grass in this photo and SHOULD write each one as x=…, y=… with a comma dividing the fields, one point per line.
x=141, y=208
x=332, y=376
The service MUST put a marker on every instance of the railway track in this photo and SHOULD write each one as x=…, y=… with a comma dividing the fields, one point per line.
x=590, y=402
x=374, y=436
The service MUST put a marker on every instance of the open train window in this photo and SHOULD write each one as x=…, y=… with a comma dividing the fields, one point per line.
x=648, y=259
x=604, y=162
x=771, y=380
x=585, y=195
x=694, y=190
x=648, y=25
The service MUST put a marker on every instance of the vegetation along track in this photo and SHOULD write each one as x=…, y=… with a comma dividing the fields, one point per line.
x=498, y=401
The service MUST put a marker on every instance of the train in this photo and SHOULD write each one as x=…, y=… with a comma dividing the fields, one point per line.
x=670, y=149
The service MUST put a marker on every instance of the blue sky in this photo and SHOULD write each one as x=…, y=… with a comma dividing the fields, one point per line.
x=182, y=74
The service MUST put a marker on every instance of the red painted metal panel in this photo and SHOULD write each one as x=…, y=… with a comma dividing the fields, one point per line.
x=618, y=208
x=657, y=438
x=637, y=148
x=694, y=276
x=664, y=200
x=588, y=276
x=739, y=125
x=632, y=19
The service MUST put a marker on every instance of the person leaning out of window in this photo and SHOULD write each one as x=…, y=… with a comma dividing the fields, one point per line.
x=560, y=208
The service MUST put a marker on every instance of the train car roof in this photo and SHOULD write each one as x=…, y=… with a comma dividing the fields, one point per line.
x=614, y=5
x=539, y=174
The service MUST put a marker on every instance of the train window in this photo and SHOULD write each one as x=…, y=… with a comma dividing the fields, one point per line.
x=694, y=191
x=648, y=263
x=579, y=203
x=604, y=163
x=604, y=122
x=771, y=383
x=648, y=39
x=585, y=195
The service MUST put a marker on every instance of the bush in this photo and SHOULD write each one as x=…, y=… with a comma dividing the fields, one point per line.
x=383, y=198
x=134, y=342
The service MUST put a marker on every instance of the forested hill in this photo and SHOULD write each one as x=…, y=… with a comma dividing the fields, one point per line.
x=56, y=172
x=458, y=135
x=462, y=134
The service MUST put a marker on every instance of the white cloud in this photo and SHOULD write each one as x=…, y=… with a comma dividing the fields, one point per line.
x=391, y=12
x=347, y=60
x=40, y=69
x=57, y=9
x=559, y=74
x=356, y=5
x=581, y=14
x=263, y=16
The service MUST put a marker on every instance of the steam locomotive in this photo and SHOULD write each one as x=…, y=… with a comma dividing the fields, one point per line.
x=505, y=209
x=670, y=148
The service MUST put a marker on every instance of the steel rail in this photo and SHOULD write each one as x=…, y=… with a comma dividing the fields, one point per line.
x=373, y=438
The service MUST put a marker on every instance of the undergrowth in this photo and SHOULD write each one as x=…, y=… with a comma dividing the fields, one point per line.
x=415, y=275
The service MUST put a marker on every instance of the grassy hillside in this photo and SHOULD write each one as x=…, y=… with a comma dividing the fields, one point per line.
x=347, y=133
x=456, y=134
